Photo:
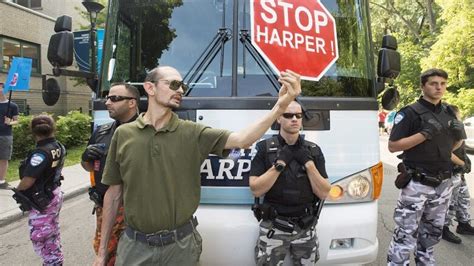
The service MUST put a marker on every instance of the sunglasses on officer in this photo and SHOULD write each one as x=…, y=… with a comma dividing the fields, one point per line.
x=174, y=84
x=290, y=115
x=118, y=98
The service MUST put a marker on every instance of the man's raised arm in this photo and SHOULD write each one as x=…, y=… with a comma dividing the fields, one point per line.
x=291, y=87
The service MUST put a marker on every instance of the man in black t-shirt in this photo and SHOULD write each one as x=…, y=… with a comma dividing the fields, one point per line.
x=7, y=120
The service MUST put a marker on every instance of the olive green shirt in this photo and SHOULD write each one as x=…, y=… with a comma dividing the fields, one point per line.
x=160, y=170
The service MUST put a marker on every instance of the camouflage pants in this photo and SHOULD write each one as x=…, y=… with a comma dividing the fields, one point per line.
x=44, y=231
x=419, y=216
x=117, y=230
x=460, y=202
x=302, y=245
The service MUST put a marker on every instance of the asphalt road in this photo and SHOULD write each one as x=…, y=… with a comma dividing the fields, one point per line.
x=78, y=225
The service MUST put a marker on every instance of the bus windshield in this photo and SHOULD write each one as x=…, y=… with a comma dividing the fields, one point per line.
x=143, y=34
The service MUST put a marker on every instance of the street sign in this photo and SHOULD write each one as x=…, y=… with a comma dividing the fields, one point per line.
x=299, y=35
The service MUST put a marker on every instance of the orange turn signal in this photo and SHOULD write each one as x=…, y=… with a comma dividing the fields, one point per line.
x=336, y=192
x=377, y=178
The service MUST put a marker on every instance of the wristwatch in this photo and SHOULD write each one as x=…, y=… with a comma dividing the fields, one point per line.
x=279, y=166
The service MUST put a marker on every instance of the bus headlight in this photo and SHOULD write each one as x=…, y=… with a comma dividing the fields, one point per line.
x=358, y=188
x=363, y=186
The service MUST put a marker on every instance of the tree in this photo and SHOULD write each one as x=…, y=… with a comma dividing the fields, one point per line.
x=453, y=50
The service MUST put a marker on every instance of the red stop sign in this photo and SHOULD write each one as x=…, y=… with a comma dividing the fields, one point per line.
x=299, y=35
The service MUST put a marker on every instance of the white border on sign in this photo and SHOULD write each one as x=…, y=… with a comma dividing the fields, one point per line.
x=275, y=69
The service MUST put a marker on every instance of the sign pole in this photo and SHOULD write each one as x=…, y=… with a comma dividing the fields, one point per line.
x=8, y=105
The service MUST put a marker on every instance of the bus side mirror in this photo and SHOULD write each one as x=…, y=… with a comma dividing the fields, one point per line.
x=390, y=98
x=51, y=91
x=61, y=49
x=388, y=65
x=388, y=68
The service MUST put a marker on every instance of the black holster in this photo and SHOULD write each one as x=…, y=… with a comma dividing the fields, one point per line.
x=263, y=211
x=307, y=221
x=403, y=178
x=283, y=225
x=24, y=201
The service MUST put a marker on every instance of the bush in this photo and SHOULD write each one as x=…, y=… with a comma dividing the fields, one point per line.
x=74, y=129
x=23, y=141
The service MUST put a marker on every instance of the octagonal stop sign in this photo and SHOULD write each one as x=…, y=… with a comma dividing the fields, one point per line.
x=299, y=35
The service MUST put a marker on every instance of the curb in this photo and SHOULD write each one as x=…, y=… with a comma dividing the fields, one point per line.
x=17, y=214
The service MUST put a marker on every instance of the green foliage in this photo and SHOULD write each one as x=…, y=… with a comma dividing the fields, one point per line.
x=73, y=129
x=464, y=100
x=430, y=34
x=454, y=48
x=22, y=140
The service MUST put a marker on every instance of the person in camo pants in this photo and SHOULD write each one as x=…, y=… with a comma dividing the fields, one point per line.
x=460, y=200
x=40, y=174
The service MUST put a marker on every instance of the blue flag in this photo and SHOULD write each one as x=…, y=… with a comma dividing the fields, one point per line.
x=18, y=78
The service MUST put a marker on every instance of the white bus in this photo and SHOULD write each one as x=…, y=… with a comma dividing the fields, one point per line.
x=231, y=86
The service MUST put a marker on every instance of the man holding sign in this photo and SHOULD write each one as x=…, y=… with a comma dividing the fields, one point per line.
x=8, y=117
x=18, y=79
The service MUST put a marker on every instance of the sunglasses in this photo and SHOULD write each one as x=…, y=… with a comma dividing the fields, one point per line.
x=175, y=84
x=117, y=98
x=290, y=115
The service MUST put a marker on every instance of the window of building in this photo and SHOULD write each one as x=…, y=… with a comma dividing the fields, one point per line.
x=33, y=4
x=11, y=48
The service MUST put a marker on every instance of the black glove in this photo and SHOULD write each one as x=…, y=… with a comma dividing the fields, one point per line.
x=457, y=128
x=430, y=128
x=93, y=152
x=285, y=154
x=302, y=155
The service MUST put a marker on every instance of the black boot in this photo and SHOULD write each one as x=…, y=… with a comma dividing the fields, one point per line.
x=465, y=229
x=450, y=236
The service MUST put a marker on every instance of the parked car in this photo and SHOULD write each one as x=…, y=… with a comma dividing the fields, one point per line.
x=469, y=127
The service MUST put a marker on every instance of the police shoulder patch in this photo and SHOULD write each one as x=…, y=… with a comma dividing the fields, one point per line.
x=399, y=117
x=37, y=159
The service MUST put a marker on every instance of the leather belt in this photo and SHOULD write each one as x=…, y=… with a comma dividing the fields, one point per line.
x=165, y=237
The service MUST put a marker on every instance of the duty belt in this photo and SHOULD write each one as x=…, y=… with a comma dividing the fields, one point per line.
x=417, y=176
x=165, y=237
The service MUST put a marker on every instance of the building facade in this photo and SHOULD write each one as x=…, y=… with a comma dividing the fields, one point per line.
x=25, y=29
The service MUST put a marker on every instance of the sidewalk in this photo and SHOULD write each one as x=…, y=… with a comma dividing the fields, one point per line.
x=76, y=181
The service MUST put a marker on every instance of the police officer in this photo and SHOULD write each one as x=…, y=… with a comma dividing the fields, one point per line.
x=460, y=202
x=427, y=132
x=291, y=172
x=122, y=104
x=39, y=193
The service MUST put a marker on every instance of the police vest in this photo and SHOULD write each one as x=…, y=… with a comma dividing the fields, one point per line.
x=292, y=193
x=103, y=135
x=56, y=154
x=440, y=146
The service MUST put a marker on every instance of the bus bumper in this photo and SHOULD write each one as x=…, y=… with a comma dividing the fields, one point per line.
x=347, y=234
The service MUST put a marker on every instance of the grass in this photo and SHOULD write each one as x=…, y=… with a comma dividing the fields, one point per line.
x=73, y=157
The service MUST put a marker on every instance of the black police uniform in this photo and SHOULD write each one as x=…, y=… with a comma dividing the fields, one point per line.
x=103, y=134
x=432, y=157
x=45, y=164
x=291, y=195
x=423, y=202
